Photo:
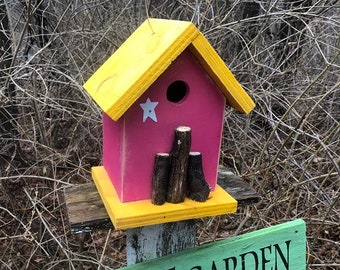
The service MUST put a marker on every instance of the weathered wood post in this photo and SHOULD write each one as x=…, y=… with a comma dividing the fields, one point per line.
x=281, y=246
x=86, y=213
x=155, y=241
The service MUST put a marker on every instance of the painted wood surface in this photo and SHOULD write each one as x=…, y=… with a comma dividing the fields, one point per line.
x=86, y=211
x=146, y=54
x=150, y=242
x=130, y=144
x=280, y=247
x=143, y=213
x=141, y=59
x=237, y=98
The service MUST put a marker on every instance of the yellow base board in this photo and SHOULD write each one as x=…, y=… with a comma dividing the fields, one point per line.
x=142, y=213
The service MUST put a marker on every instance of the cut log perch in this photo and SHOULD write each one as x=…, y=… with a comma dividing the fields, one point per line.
x=198, y=188
x=179, y=165
x=160, y=178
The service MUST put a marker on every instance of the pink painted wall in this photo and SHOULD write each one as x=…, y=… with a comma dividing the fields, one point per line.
x=131, y=144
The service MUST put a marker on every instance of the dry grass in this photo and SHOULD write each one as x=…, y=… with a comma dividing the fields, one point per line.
x=285, y=54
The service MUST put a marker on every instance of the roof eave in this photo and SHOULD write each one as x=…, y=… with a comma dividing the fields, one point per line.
x=151, y=75
x=236, y=96
x=118, y=83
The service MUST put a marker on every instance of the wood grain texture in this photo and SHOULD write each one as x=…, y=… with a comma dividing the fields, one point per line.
x=225, y=80
x=198, y=188
x=278, y=247
x=179, y=165
x=86, y=210
x=146, y=54
x=142, y=213
x=138, y=62
x=145, y=243
x=125, y=140
x=237, y=187
x=160, y=178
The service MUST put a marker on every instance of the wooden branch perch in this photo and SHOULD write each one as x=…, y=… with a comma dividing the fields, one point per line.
x=160, y=178
x=179, y=165
x=199, y=189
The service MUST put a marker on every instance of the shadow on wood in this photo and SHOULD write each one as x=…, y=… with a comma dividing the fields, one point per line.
x=86, y=211
x=149, y=242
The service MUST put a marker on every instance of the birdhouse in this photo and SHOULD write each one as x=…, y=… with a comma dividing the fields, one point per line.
x=165, y=75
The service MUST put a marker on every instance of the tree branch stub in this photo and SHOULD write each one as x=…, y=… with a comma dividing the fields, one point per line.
x=198, y=188
x=179, y=165
x=160, y=178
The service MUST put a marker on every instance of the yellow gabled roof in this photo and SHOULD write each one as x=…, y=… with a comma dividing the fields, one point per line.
x=146, y=54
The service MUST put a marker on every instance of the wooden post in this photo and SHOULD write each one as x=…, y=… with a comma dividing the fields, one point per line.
x=197, y=186
x=179, y=165
x=86, y=211
x=149, y=242
x=281, y=246
x=160, y=178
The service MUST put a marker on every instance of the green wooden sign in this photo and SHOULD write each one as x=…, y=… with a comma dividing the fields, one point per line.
x=280, y=247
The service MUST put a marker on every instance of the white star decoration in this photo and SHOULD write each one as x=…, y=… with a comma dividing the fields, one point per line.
x=149, y=110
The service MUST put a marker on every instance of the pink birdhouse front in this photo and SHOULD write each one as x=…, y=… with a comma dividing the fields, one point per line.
x=183, y=95
x=165, y=75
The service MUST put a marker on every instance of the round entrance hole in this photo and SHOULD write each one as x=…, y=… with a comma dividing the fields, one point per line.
x=177, y=91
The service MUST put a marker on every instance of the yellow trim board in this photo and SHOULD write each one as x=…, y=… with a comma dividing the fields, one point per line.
x=146, y=54
x=221, y=75
x=137, y=63
x=143, y=213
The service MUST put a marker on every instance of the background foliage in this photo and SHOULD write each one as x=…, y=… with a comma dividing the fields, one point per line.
x=285, y=54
